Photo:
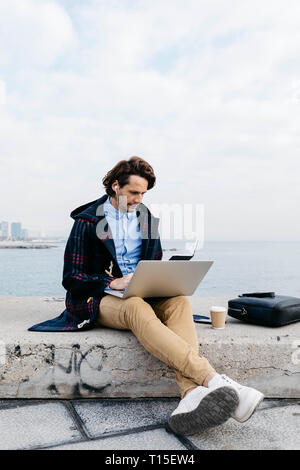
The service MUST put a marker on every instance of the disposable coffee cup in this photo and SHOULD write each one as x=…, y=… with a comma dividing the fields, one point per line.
x=218, y=317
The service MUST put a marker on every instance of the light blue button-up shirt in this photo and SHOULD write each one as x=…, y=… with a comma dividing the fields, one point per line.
x=127, y=237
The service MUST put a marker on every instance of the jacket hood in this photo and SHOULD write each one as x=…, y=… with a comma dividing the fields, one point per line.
x=88, y=211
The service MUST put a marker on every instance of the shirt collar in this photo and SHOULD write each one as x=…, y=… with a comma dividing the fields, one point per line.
x=115, y=213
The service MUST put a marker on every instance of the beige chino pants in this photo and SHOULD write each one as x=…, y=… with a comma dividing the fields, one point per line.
x=165, y=327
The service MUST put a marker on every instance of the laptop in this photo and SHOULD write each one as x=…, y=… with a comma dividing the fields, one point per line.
x=164, y=279
x=185, y=255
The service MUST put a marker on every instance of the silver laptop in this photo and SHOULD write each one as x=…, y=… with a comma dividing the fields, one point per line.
x=164, y=279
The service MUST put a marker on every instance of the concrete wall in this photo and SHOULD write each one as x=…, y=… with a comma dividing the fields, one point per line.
x=112, y=363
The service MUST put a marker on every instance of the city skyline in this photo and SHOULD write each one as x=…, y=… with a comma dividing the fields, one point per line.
x=15, y=231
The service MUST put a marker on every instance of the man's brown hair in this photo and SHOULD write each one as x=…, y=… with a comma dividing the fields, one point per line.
x=122, y=171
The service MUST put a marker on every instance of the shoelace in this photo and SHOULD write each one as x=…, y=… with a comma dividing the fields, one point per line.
x=231, y=382
x=225, y=378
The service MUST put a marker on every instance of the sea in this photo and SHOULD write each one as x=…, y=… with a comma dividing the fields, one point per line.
x=239, y=267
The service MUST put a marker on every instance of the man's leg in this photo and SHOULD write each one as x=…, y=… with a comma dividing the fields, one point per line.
x=177, y=348
x=177, y=314
x=138, y=316
x=202, y=407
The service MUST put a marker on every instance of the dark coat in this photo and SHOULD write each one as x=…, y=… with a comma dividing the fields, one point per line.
x=89, y=251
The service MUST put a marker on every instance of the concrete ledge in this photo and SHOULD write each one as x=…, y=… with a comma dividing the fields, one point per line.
x=112, y=363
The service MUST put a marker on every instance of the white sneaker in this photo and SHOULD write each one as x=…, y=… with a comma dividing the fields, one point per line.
x=249, y=398
x=203, y=408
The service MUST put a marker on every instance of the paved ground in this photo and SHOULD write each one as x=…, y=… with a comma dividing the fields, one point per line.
x=138, y=424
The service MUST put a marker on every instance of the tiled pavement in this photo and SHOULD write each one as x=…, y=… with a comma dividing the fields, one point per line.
x=139, y=424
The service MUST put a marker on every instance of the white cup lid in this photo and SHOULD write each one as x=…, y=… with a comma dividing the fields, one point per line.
x=215, y=308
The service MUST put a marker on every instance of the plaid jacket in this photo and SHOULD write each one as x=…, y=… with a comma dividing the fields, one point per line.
x=89, y=251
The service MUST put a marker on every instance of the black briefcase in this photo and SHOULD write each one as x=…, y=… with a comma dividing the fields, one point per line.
x=265, y=309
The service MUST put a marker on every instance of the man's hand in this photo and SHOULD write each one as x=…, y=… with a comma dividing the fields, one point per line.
x=121, y=283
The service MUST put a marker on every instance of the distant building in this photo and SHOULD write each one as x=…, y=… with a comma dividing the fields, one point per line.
x=16, y=229
x=4, y=230
x=24, y=234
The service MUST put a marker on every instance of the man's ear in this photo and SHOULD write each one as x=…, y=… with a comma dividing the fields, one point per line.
x=115, y=186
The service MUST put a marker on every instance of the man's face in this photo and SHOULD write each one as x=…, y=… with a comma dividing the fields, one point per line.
x=133, y=191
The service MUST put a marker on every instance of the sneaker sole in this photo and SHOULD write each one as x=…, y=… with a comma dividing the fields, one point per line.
x=252, y=409
x=215, y=408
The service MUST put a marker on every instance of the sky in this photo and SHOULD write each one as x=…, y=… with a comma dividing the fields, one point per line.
x=207, y=91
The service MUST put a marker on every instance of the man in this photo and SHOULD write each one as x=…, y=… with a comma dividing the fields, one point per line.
x=108, y=239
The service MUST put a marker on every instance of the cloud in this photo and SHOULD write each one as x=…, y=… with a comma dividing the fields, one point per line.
x=206, y=91
x=2, y=94
x=33, y=33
